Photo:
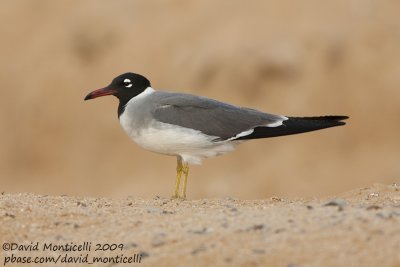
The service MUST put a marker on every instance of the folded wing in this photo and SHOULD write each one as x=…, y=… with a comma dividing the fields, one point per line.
x=211, y=117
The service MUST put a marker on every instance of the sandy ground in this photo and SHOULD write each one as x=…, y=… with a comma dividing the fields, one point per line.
x=357, y=228
x=295, y=58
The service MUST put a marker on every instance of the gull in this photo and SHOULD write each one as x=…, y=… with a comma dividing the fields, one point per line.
x=192, y=127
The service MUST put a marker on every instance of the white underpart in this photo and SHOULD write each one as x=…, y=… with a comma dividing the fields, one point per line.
x=191, y=145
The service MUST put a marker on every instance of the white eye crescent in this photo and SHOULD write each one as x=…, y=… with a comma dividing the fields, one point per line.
x=128, y=83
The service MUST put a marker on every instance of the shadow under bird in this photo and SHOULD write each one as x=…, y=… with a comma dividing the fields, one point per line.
x=193, y=128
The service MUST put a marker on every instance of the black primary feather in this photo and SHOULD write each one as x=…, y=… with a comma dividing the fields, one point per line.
x=296, y=125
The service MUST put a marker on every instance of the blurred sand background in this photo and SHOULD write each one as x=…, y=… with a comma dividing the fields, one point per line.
x=293, y=58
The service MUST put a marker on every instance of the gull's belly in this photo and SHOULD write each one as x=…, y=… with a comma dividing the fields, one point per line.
x=191, y=145
x=165, y=139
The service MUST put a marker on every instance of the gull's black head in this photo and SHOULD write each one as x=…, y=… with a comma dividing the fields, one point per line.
x=124, y=87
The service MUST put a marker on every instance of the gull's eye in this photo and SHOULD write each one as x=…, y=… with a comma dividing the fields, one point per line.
x=127, y=83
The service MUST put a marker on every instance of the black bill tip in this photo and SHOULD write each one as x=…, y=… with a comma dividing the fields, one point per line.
x=89, y=96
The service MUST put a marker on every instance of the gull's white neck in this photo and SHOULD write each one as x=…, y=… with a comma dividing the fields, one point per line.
x=149, y=90
x=127, y=118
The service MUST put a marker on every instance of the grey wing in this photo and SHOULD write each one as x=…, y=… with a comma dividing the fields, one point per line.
x=212, y=117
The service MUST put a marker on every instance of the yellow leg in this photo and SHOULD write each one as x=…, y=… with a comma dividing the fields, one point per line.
x=178, y=177
x=185, y=170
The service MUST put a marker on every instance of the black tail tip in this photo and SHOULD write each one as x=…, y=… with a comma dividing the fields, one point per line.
x=337, y=118
x=326, y=121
